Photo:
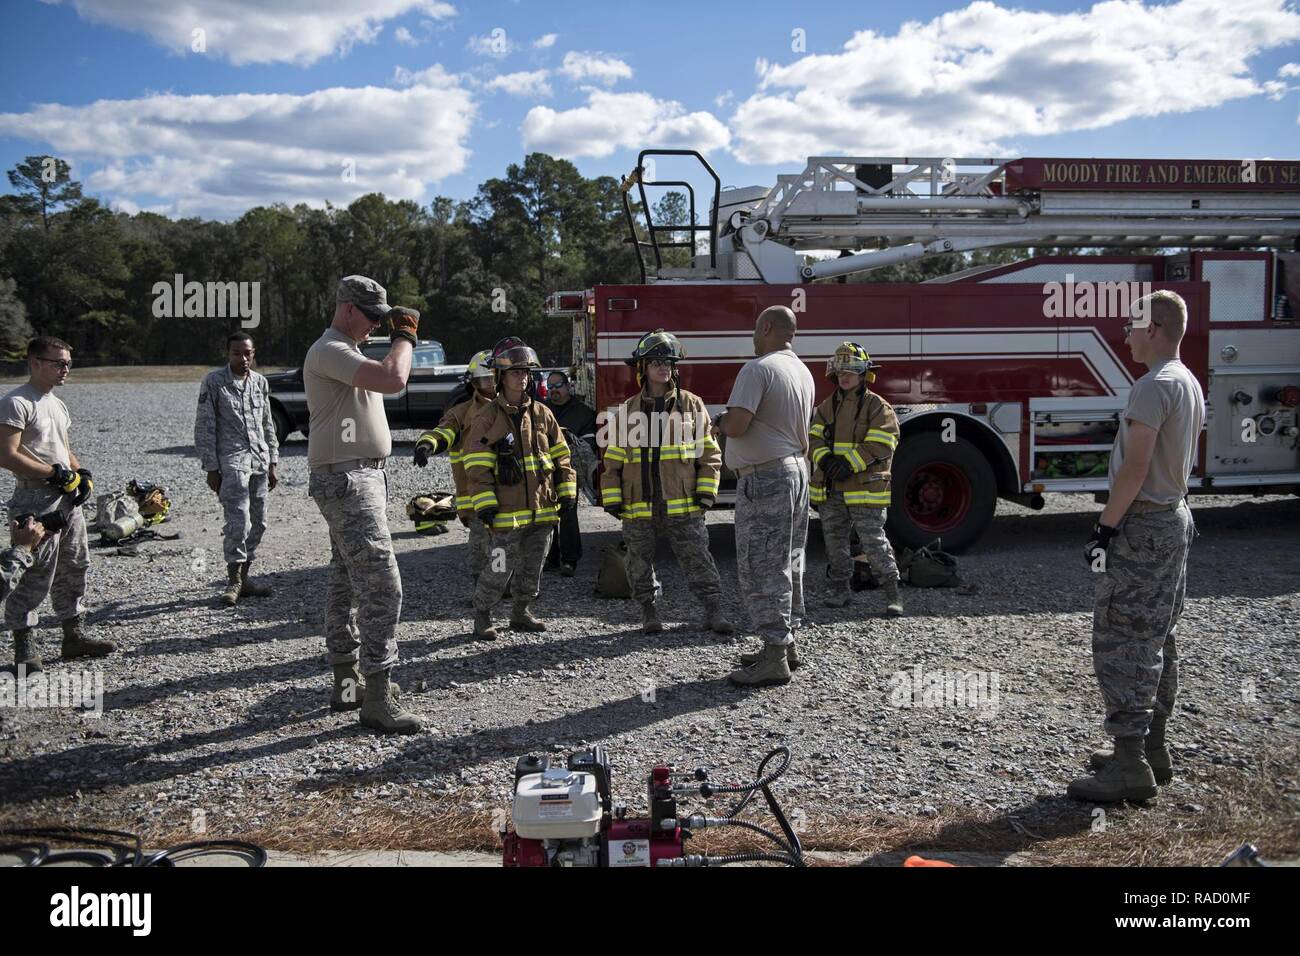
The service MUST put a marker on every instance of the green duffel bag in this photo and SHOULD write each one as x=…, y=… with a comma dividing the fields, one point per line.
x=929, y=567
x=613, y=582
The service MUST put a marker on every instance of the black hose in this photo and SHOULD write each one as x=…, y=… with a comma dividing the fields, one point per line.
x=32, y=853
x=754, y=858
x=124, y=853
x=169, y=856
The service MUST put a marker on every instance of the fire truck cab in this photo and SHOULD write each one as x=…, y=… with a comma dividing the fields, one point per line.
x=1008, y=381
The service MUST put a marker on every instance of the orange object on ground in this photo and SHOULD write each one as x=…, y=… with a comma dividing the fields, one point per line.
x=922, y=861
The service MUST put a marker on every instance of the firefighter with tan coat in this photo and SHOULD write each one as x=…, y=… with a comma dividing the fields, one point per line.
x=518, y=478
x=450, y=436
x=851, y=446
x=660, y=476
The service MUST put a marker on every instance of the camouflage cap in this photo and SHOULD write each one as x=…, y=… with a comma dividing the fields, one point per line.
x=366, y=294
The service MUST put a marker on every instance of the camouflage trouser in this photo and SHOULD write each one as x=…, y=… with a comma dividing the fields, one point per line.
x=60, y=564
x=771, y=532
x=689, y=538
x=364, y=601
x=838, y=522
x=243, y=498
x=1139, y=601
x=514, y=560
x=479, y=543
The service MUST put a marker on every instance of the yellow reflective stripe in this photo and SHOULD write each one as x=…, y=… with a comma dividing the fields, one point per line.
x=567, y=489
x=817, y=493
x=513, y=519
x=484, y=500
x=876, y=499
x=558, y=450
x=611, y=496
x=638, y=509
x=431, y=437
x=480, y=459
x=818, y=430
x=457, y=457
x=820, y=452
x=856, y=461
x=706, y=486
x=615, y=453
x=533, y=463
x=464, y=502
x=711, y=445
x=447, y=434
x=883, y=437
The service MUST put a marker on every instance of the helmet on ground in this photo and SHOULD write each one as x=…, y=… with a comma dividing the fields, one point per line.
x=851, y=357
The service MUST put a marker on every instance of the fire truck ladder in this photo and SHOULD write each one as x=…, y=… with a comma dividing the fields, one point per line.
x=879, y=211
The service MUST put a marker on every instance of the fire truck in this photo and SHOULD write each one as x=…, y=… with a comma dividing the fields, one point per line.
x=1008, y=380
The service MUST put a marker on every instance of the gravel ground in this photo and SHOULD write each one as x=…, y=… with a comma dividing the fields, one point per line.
x=221, y=710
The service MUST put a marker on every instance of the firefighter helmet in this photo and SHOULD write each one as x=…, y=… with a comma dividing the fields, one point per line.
x=514, y=354
x=657, y=345
x=480, y=366
x=851, y=357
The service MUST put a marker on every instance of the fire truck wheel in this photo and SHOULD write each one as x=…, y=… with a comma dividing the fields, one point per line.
x=940, y=490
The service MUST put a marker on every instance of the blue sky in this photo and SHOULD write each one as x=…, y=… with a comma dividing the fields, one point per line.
x=308, y=100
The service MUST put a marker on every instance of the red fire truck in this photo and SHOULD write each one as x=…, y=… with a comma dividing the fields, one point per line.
x=1008, y=381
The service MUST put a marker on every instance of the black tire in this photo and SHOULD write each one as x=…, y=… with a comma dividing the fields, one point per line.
x=282, y=424
x=926, y=459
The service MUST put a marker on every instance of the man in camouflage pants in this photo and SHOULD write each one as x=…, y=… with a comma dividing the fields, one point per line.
x=234, y=436
x=348, y=444
x=1139, y=547
x=766, y=424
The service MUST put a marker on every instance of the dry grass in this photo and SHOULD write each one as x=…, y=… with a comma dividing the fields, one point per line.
x=1258, y=808
x=132, y=374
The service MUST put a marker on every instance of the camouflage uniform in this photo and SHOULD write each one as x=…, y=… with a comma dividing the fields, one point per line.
x=14, y=563
x=689, y=537
x=517, y=565
x=234, y=434
x=364, y=601
x=838, y=522
x=1139, y=601
x=771, y=533
x=60, y=564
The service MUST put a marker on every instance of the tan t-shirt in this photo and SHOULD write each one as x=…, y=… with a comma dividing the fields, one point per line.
x=346, y=422
x=1169, y=399
x=778, y=389
x=43, y=420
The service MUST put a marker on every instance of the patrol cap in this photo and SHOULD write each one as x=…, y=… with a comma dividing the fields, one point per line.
x=366, y=294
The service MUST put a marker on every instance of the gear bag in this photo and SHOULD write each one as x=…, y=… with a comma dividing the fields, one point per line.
x=613, y=582
x=929, y=567
x=117, y=516
x=430, y=513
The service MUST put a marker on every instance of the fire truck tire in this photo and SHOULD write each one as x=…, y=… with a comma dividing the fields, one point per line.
x=941, y=490
x=282, y=425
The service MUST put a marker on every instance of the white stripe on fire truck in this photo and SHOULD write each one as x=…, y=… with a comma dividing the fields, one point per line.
x=1081, y=342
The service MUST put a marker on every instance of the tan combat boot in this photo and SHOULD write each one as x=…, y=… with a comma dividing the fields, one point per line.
x=349, y=693
x=650, y=622
x=380, y=709
x=893, y=603
x=717, y=622
x=483, y=628
x=522, y=620
x=26, y=658
x=234, y=583
x=1154, y=749
x=248, y=587
x=791, y=656
x=1126, y=776
x=770, y=668
x=77, y=644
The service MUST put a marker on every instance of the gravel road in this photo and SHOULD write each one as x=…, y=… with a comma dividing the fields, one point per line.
x=208, y=707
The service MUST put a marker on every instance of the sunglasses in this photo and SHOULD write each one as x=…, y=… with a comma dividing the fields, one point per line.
x=375, y=319
x=1128, y=327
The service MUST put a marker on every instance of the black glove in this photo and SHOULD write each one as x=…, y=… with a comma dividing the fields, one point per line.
x=85, y=489
x=614, y=511
x=568, y=505
x=836, y=468
x=1099, y=542
x=64, y=478
x=423, y=449
x=487, y=516
x=705, y=501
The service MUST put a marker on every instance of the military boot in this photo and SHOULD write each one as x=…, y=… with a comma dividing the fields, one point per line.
x=650, y=622
x=1155, y=750
x=838, y=598
x=248, y=587
x=380, y=709
x=349, y=693
x=770, y=668
x=893, y=603
x=483, y=628
x=522, y=620
x=717, y=622
x=25, y=653
x=1126, y=776
x=76, y=644
x=791, y=657
x=234, y=584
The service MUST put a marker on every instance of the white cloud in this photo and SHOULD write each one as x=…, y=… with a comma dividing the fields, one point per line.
x=219, y=155
x=496, y=44
x=971, y=80
x=546, y=41
x=723, y=100
x=612, y=121
x=594, y=66
x=404, y=36
x=253, y=31
x=522, y=84
x=1289, y=69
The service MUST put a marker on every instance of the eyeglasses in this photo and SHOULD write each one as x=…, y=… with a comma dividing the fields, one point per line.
x=59, y=362
x=659, y=363
x=554, y=385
